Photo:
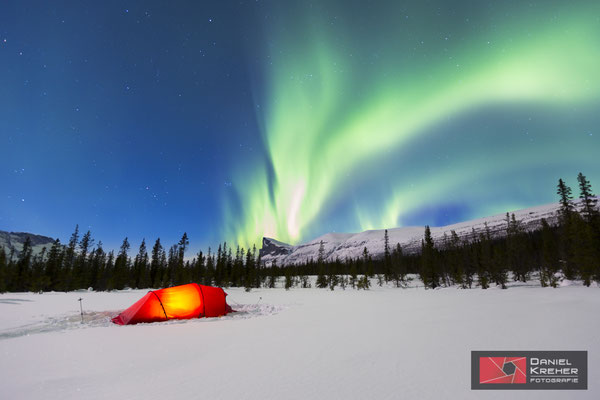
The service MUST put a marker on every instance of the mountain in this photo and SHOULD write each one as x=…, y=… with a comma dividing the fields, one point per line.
x=343, y=245
x=9, y=240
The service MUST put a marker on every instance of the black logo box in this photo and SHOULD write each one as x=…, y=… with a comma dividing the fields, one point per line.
x=578, y=359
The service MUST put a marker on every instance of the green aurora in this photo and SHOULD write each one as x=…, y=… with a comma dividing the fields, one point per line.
x=369, y=116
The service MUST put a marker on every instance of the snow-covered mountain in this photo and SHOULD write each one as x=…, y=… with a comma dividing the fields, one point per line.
x=10, y=240
x=343, y=245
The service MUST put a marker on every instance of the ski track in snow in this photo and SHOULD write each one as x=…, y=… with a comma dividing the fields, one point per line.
x=93, y=319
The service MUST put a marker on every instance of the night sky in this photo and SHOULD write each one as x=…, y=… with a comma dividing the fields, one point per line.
x=235, y=120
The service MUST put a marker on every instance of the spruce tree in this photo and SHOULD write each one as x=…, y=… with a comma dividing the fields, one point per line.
x=483, y=254
x=155, y=264
x=273, y=274
x=387, y=258
x=81, y=268
x=398, y=266
x=141, y=276
x=259, y=275
x=549, y=257
x=97, y=267
x=321, y=276
x=589, y=201
x=568, y=235
x=585, y=254
x=199, y=267
x=515, y=249
x=121, y=271
x=238, y=267
x=363, y=282
x=53, y=265
x=3, y=270
x=429, y=271
x=289, y=278
x=368, y=263
x=455, y=263
x=69, y=261
x=24, y=267
x=353, y=279
x=179, y=272
x=250, y=273
x=566, y=200
x=107, y=280
x=210, y=268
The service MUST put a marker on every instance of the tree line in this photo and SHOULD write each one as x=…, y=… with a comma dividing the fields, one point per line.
x=568, y=248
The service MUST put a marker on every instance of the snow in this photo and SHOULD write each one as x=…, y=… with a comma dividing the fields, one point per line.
x=299, y=344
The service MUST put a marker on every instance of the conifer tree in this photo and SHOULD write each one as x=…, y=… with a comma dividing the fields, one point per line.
x=69, y=261
x=238, y=267
x=250, y=275
x=141, y=276
x=429, y=273
x=259, y=276
x=456, y=267
x=568, y=234
x=179, y=273
x=549, y=257
x=172, y=262
x=97, y=267
x=482, y=259
x=210, y=269
x=24, y=267
x=515, y=249
x=121, y=270
x=80, y=268
x=398, y=267
x=38, y=280
x=3, y=271
x=566, y=200
x=53, y=265
x=273, y=274
x=321, y=258
x=363, y=282
x=220, y=264
x=156, y=265
x=387, y=258
x=589, y=201
x=107, y=280
x=368, y=263
x=333, y=281
x=321, y=277
x=289, y=278
x=353, y=279
x=585, y=254
x=199, y=268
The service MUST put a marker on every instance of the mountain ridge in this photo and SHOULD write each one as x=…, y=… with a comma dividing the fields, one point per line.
x=14, y=241
x=351, y=245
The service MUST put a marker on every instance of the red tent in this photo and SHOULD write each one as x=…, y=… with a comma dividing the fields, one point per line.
x=179, y=302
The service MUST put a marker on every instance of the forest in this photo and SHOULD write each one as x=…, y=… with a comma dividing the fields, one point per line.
x=566, y=249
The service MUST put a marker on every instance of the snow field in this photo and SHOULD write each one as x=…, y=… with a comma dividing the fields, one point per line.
x=385, y=343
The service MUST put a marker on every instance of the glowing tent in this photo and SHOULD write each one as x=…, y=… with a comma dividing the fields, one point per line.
x=179, y=302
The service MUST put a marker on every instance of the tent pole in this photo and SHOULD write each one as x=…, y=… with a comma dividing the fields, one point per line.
x=81, y=308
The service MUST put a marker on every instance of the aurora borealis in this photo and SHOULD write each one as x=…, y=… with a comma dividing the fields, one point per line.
x=291, y=119
x=345, y=96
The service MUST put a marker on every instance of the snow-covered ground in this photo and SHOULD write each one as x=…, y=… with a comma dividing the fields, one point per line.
x=385, y=343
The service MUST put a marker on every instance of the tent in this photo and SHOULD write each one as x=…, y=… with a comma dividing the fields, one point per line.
x=178, y=302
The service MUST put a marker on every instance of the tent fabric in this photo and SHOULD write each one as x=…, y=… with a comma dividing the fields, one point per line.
x=178, y=302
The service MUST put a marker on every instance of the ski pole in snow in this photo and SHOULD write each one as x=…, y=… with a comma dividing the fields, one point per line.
x=81, y=308
x=259, y=299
